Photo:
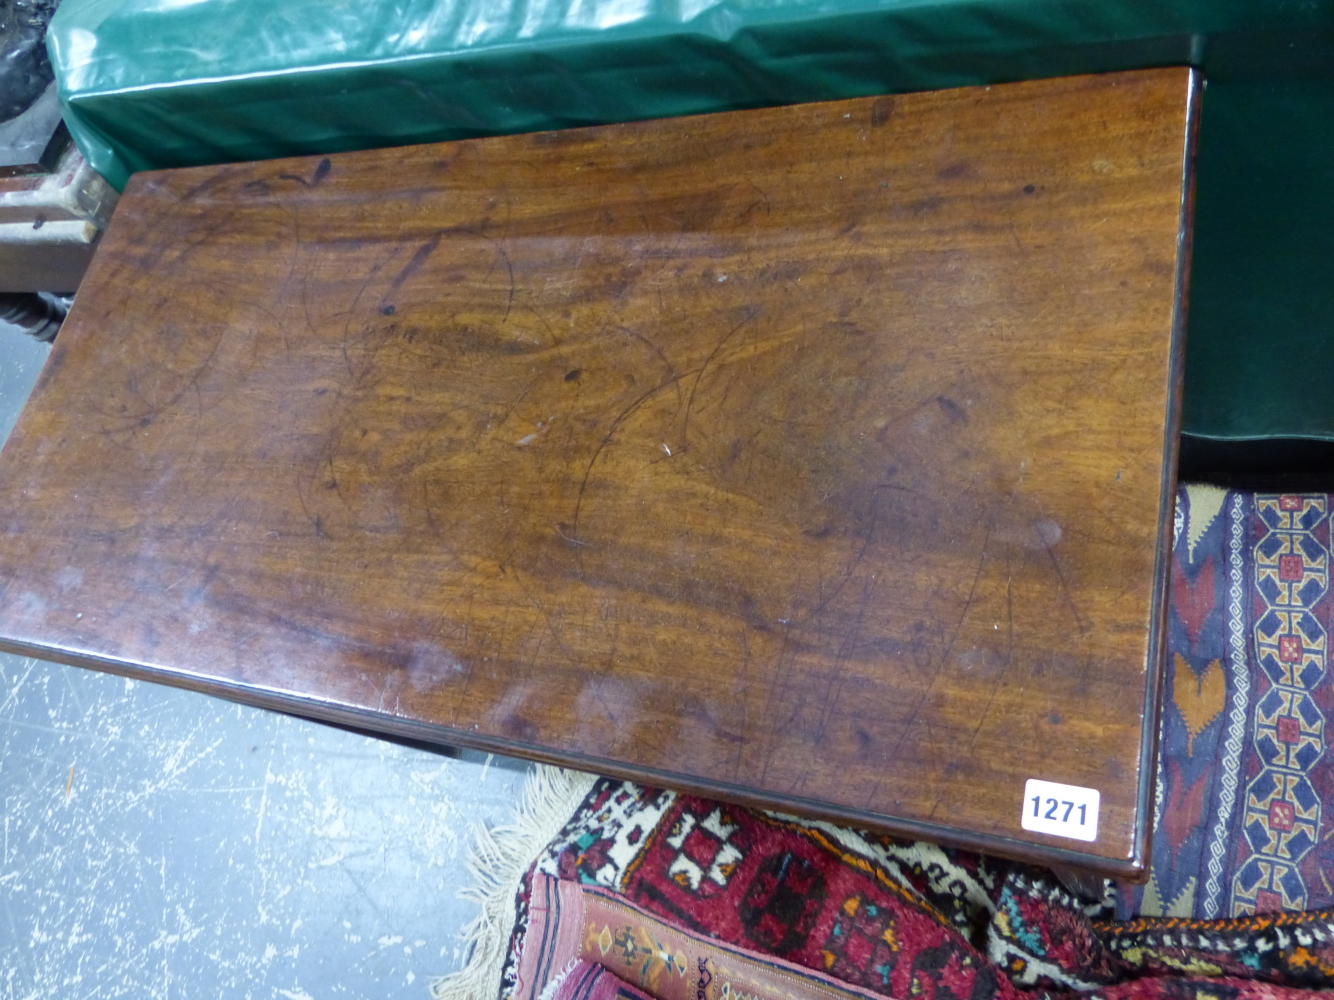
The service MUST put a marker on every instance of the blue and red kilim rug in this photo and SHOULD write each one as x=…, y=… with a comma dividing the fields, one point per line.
x=632, y=893
x=1243, y=813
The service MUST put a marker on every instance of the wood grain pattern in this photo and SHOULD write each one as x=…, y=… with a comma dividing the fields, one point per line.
x=816, y=456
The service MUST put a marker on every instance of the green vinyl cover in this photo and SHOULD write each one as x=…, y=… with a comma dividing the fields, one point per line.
x=148, y=84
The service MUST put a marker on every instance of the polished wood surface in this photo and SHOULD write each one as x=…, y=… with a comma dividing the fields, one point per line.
x=816, y=456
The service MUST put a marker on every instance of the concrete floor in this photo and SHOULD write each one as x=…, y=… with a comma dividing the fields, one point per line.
x=159, y=843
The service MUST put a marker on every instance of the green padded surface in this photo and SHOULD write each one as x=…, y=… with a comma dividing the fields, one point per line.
x=1260, y=354
x=164, y=83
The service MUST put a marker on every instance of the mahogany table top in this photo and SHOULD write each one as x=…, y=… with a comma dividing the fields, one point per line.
x=819, y=457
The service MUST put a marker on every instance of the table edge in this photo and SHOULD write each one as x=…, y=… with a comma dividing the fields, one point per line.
x=445, y=736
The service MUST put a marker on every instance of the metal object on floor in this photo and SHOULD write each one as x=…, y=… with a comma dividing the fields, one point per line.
x=37, y=314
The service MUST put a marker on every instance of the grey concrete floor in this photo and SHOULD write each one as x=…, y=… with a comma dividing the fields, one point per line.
x=159, y=843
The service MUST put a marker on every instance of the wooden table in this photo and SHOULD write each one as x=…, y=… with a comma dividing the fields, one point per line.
x=817, y=457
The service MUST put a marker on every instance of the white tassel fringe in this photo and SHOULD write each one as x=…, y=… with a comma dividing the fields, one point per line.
x=497, y=862
x=554, y=984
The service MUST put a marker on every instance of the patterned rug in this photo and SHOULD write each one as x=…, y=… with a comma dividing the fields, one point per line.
x=639, y=893
x=680, y=897
x=1246, y=777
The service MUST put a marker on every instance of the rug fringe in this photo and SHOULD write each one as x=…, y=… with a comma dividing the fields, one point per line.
x=553, y=985
x=497, y=862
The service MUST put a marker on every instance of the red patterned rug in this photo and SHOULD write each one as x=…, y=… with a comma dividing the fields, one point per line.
x=677, y=897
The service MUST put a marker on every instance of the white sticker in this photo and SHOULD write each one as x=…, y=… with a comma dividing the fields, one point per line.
x=1062, y=810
